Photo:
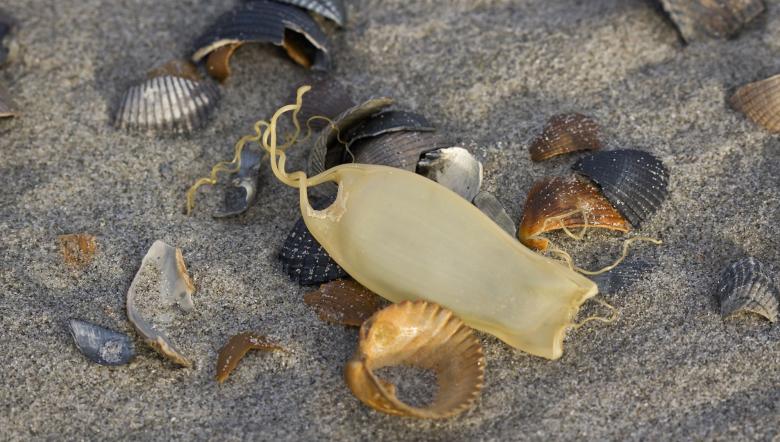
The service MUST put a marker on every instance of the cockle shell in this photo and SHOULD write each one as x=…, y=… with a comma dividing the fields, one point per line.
x=760, y=101
x=701, y=19
x=344, y=301
x=623, y=276
x=327, y=98
x=235, y=350
x=332, y=9
x=401, y=149
x=387, y=122
x=101, y=345
x=566, y=133
x=747, y=285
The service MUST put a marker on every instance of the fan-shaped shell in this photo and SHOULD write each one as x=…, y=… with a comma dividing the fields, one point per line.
x=492, y=207
x=760, y=101
x=332, y=9
x=344, y=301
x=7, y=105
x=566, y=133
x=424, y=335
x=701, y=19
x=747, y=285
x=304, y=259
x=101, y=345
x=397, y=149
x=235, y=350
x=387, y=122
x=557, y=202
x=167, y=104
x=623, y=276
x=635, y=182
x=327, y=98
x=454, y=168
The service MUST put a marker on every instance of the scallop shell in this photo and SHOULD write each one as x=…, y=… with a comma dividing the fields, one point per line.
x=424, y=335
x=162, y=272
x=77, y=249
x=397, y=149
x=332, y=9
x=7, y=105
x=635, y=182
x=747, y=286
x=566, y=133
x=760, y=101
x=387, y=122
x=492, y=207
x=304, y=259
x=454, y=168
x=262, y=21
x=235, y=350
x=702, y=19
x=101, y=345
x=240, y=195
x=167, y=104
x=344, y=301
x=557, y=202
x=327, y=98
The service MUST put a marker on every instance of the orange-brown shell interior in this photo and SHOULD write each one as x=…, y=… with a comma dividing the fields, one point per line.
x=238, y=346
x=566, y=133
x=344, y=301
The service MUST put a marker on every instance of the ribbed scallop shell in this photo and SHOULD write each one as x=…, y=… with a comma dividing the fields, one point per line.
x=167, y=104
x=423, y=335
x=401, y=149
x=566, y=133
x=304, y=259
x=492, y=207
x=760, y=101
x=747, y=285
x=635, y=182
x=701, y=19
x=101, y=345
x=332, y=9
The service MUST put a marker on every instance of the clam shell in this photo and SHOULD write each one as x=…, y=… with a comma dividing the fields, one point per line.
x=397, y=149
x=77, y=249
x=101, y=345
x=327, y=98
x=566, y=133
x=423, y=335
x=167, y=104
x=263, y=21
x=241, y=194
x=7, y=105
x=550, y=205
x=387, y=122
x=760, y=101
x=162, y=273
x=747, y=285
x=492, y=207
x=635, y=182
x=344, y=301
x=702, y=19
x=235, y=350
x=331, y=9
x=454, y=168
x=304, y=259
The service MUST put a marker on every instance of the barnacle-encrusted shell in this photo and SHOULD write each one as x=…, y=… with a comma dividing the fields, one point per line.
x=77, y=249
x=7, y=106
x=304, y=259
x=240, y=195
x=235, y=350
x=760, y=101
x=492, y=207
x=101, y=345
x=344, y=301
x=332, y=9
x=386, y=122
x=454, y=168
x=635, y=182
x=327, y=98
x=263, y=21
x=747, y=285
x=566, y=133
x=167, y=104
x=164, y=274
x=557, y=202
x=424, y=335
x=701, y=19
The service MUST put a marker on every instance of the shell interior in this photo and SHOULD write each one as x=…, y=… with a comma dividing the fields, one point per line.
x=305, y=260
x=101, y=345
x=703, y=19
x=760, y=101
x=235, y=350
x=344, y=301
x=747, y=286
x=566, y=133
x=77, y=249
x=454, y=168
x=492, y=207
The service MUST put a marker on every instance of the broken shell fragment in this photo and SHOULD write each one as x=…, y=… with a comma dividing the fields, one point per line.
x=101, y=345
x=162, y=277
x=566, y=133
x=760, y=101
x=7, y=105
x=387, y=122
x=702, y=19
x=635, y=182
x=240, y=195
x=175, y=68
x=77, y=249
x=565, y=202
x=492, y=207
x=235, y=350
x=423, y=335
x=8, y=46
x=454, y=168
x=623, y=276
x=328, y=98
x=344, y=301
x=305, y=260
x=263, y=21
x=167, y=104
x=747, y=286
x=332, y=9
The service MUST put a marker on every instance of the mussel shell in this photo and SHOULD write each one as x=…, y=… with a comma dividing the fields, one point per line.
x=635, y=182
x=243, y=190
x=386, y=122
x=305, y=260
x=397, y=149
x=263, y=21
x=566, y=133
x=760, y=101
x=327, y=98
x=101, y=345
x=747, y=285
x=454, y=168
x=7, y=105
x=492, y=207
x=332, y=9
x=167, y=104
x=702, y=19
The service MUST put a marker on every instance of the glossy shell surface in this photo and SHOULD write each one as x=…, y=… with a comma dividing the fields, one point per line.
x=454, y=168
x=566, y=133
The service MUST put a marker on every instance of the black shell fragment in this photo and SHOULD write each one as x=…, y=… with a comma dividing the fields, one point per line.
x=747, y=286
x=398, y=149
x=623, y=276
x=241, y=194
x=332, y=9
x=702, y=19
x=635, y=182
x=492, y=207
x=326, y=98
x=263, y=21
x=101, y=345
x=386, y=122
x=167, y=104
x=305, y=260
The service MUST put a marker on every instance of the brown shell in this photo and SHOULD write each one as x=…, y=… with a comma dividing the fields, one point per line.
x=423, y=335
x=566, y=133
x=703, y=19
x=176, y=68
x=236, y=348
x=557, y=202
x=760, y=101
x=77, y=249
x=344, y=302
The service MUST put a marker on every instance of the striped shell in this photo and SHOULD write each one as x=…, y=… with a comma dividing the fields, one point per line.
x=387, y=122
x=566, y=133
x=401, y=149
x=623, y=276
x=702, y=19
x=747, y=285
x=332, y=9
x=760, y=101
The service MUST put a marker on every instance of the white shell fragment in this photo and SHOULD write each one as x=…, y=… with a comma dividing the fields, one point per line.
x=101, y=345
x=454, y=168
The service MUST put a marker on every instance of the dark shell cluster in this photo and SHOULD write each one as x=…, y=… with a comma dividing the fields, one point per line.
x=747, y=286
